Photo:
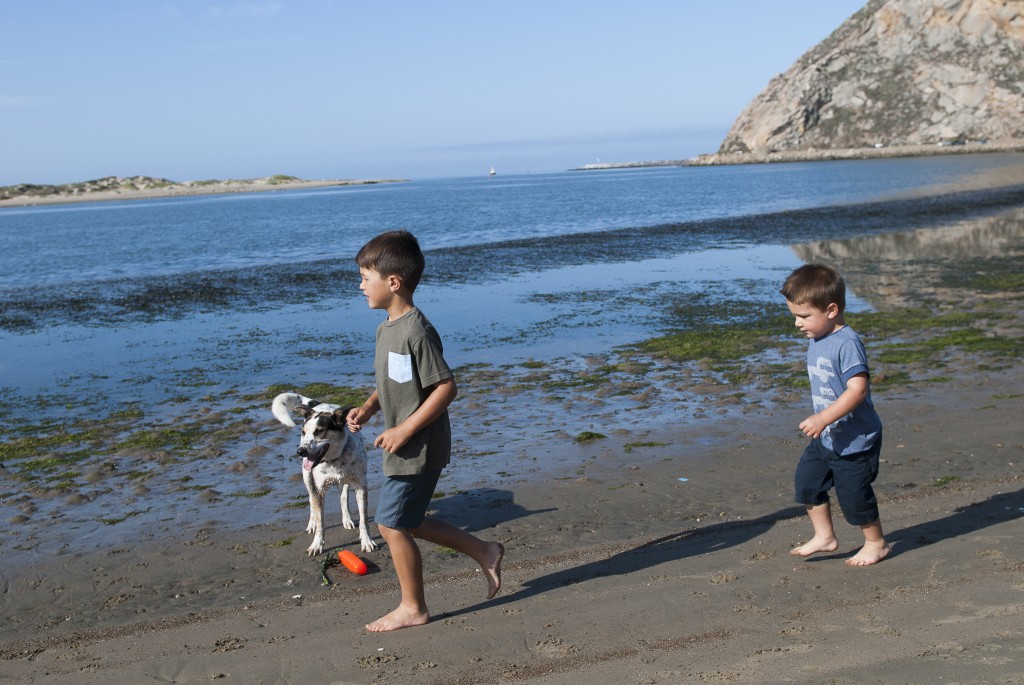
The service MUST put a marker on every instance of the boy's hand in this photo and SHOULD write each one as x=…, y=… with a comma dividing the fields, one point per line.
x=360, y=415
x=356, y=418
x=392, y=439
x=856, y=391
x=813, y=426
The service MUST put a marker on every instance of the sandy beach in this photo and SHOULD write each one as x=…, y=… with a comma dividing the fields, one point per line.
x=127, y=190
x=618, y=571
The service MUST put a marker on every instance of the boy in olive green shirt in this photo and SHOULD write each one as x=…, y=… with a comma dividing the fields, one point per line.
x=414, y=387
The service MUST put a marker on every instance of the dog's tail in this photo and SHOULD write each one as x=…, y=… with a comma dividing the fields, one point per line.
x=285, y=404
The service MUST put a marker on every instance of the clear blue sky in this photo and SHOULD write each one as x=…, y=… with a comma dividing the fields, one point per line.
x=326, y=89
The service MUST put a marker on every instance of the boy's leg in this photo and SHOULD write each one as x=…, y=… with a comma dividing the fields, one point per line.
x=401, y=506
x=412, y=610
x=812, y=481
x=854, y=476
x=875, y=547
x=824, y=539
x=487, y=554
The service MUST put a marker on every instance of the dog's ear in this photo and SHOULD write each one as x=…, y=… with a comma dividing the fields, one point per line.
x=304, y=409
x=338, y=415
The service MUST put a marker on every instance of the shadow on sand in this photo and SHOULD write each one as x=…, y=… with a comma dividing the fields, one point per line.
x=672, y=547
x=690, y=543
x=966, y=519
x=475, y=510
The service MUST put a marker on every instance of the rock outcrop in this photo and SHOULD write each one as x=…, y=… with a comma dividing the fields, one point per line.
x=897, y=73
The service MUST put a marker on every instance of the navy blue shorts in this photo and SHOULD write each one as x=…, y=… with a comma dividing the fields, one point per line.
x=820, y=469
x=404, y=500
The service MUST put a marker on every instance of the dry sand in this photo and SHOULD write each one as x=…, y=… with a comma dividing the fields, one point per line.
x=615, y=572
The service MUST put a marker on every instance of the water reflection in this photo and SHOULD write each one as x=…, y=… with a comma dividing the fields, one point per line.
x=892, y=270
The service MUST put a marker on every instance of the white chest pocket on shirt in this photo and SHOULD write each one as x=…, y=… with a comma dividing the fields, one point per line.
x=399, y=367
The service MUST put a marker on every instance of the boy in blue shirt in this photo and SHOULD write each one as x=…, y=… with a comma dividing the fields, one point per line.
x=845, y=430
x=414, y=387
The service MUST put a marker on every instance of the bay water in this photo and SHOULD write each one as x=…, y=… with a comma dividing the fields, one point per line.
x=254, y=289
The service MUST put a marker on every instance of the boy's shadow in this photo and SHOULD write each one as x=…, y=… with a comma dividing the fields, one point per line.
x=688, y=543
x=965, y=519
x=481, y=508
x=972, y=517
x=996, y=509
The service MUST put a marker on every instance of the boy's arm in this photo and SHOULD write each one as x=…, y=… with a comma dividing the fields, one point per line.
x=441, y=395
x=855, y=393
x=360, y=415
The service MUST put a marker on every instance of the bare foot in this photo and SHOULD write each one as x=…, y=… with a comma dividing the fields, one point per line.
x=870, y=553
x=814, y=545
x=399, y=618
x=493, y=568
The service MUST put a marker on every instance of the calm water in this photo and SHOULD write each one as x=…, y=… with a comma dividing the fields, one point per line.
x=52, y=247
x=135, y=300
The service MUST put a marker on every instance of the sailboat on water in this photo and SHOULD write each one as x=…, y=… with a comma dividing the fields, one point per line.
x=493, y=172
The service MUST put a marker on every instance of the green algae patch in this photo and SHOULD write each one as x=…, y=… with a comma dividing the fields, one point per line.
x=280, y=543
x=40, y=451
x=342, y=395
x=901, y=322
x=728, y=342
x=255, y=493
x=120, y=519
x=968, y=340
x=587, y=436
x=580, y=382
x=630, y=446
x=176, y=438
x=991, y=275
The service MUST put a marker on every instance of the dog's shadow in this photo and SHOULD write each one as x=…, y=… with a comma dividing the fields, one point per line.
x=475, y=510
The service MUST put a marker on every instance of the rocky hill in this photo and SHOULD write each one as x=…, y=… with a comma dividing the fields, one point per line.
x=897, y=73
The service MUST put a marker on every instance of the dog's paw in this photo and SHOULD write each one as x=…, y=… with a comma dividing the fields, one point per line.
x=316, y=548
x=367, y=545
x=348, y=523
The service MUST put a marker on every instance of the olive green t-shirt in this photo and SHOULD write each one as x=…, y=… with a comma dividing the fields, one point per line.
x=409, y=361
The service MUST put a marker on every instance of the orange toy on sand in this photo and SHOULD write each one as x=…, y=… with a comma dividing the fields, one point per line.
x=352, y=562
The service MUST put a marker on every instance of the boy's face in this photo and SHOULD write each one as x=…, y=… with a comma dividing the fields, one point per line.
x=814, y=322
x=377, y=288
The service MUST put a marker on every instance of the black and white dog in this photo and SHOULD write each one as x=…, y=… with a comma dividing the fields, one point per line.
x=331, y=454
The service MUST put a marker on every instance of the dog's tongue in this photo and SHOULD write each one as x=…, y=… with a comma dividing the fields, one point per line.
x=311, y=460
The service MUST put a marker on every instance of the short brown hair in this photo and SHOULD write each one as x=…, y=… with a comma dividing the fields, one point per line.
x=818, y=285
x=394, y=253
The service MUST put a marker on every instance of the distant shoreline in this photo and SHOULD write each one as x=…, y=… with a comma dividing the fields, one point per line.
x=183, y=189
x=716, y=159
